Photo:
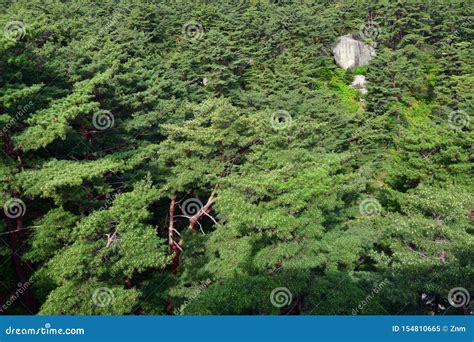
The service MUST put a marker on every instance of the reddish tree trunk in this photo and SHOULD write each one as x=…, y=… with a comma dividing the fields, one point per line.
x=206, y=209
x=21, y=269
x=173, y=245
x=16, y=237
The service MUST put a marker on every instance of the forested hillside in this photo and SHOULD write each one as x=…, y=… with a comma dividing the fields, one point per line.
x=210, y=157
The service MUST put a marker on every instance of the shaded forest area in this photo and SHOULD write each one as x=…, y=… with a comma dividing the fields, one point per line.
x=200, y=157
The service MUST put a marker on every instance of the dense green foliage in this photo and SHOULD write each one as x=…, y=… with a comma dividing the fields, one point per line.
x=109, y=109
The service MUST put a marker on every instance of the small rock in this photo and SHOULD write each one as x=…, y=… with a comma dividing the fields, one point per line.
x=360, y=83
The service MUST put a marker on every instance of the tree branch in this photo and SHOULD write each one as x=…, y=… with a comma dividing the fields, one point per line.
x=204, y=210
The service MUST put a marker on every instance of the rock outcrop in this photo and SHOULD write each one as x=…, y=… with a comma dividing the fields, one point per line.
x=352, y=53
x=360, y=83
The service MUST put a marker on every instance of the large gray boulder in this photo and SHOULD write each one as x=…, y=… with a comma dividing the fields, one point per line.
x=352, y=53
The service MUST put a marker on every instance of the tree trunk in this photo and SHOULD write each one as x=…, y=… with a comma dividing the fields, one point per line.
x=21, y=268
x=173, y=245
x=205, y=210
x=16, y=238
